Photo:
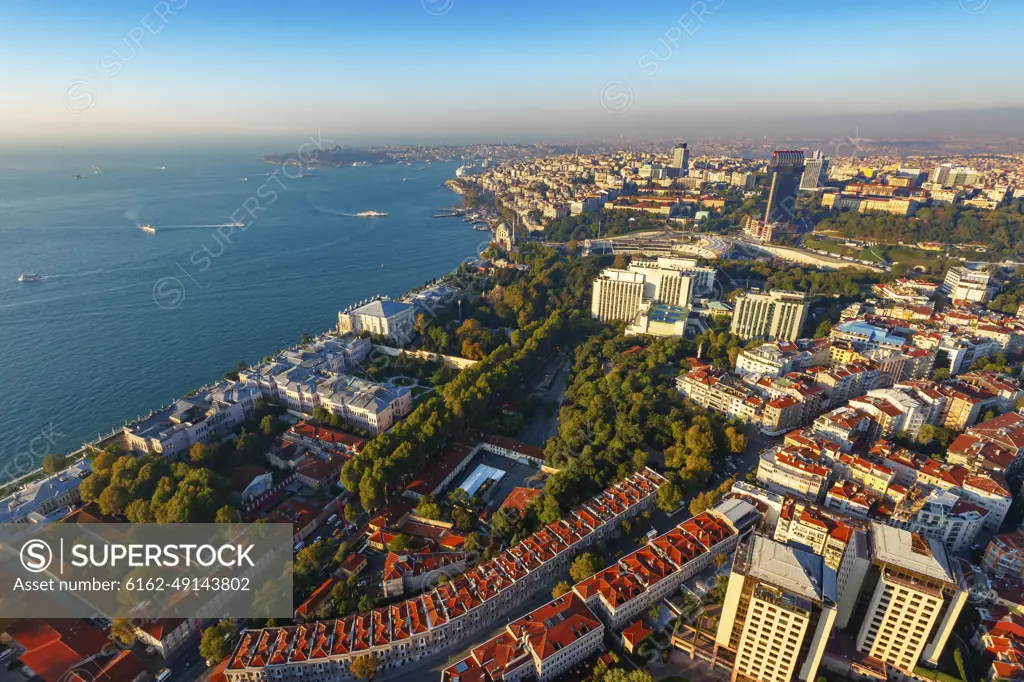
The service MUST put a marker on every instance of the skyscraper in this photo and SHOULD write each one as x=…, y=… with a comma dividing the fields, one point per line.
x=815, y=172
x=786, y=169
x=779, y=610
x=775, y=315
x=680, y=160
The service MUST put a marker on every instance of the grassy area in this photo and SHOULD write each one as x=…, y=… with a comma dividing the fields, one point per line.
x=937, y=675
x=877, y=254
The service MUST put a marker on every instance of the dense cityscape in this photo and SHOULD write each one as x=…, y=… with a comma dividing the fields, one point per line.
x=687, y=414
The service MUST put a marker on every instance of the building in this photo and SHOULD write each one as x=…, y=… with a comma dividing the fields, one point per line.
x=379, y=317
x=619, y=295
x=47, y=499
x=916, y=596
x=447, y=615
x=966, y=284
x=680, y=164
x=803, y=524
x=941, y=515
x=72, y=650
x=1004, y=556
x=166, y=635
x=773, y=315
x=172, y=430
x=778, y=358
x=541, y=645
x=815, y=172
x=786, y=169
x=793, y=470
x=779, y=610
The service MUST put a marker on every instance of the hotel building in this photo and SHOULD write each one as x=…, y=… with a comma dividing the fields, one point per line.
x=380, y=317
x=773, y=315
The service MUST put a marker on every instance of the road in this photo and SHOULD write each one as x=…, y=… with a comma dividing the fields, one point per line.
x=543, y=425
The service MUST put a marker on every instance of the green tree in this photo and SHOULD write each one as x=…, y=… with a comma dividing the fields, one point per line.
x=399, y=543
x=138, y=511
x=428, y=508
x=113, y=500
x=103, y=461
x=54, y=463
x=561, y=588
x=735, y=440
x=472, y=543
x=218, y=641
x=941, y=374
x=371, y=492
x=122, y=631
x=364, y=667
x=91, y=488
x=584, y=566
x=669, y=496
x=268, y=425
x=228, y=514
x=351, y=512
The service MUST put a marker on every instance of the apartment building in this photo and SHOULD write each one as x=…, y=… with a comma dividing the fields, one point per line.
x=941, y=515
x=542, y=645
x=773, y=315
x=172, y=430
x=779, y=610
x=994, y=445
x=962, y=283
x=917, y=594
x=778, y=358
x=894, y=411
x=446, y=616
x=1004, y=556
x=381, y=317
x=793, y=470
x=620, y=295
x=624, y=591
x=827, y=534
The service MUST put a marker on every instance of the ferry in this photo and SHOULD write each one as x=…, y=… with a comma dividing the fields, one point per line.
x=235, y=224
x=29, y=277
x=371, y=214
x=149, y=229
x=360, y=164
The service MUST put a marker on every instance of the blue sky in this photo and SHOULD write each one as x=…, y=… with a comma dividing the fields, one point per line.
x=489, y=67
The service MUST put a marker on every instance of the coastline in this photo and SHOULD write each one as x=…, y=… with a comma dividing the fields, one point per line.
x=15, y=472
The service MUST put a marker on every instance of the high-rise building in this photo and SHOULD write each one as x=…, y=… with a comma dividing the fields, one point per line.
x=680, y=160
x=774, y=315
x=815, y=172
x=913, y=593
x=779, y=610
x=618, y=295
x=963, y=283
x=786, y=169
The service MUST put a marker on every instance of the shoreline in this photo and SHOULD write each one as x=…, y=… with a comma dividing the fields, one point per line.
x=22, y=478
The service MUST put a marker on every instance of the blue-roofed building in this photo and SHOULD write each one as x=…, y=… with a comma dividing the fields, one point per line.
x=865, y=336
x=380, y=316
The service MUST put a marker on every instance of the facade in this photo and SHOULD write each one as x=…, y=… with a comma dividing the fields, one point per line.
x=622, y=295
x=1004, y=556
x=773, y=315
x=172, y=430
x=825, y=533
x=779, y=609
x=916, y=595
x=166, y=635
x=777, y=358
x=680, y=164
x=37, y=501
x=380, y=317
x=793, y=471
x=964, y=284
x=815, y=172
x=786, y=169
x=941, y=515
x=450, y=614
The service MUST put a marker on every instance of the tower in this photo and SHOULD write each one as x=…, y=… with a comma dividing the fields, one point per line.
x=680, y=160
x=786, y=169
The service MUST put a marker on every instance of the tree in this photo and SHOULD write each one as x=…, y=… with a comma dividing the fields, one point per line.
x=122, y=631
x=138, y=511
x=428, y=508
x=735, y=439
x=472, y=543
x=584, y=566
x=351, y=512
x=941, y=374
x=54, y=463
x=91, y=488
x=371, y=491
x=505, y=521
x=669, y=497
x=561, y=588
x=113, y=500
x=399, y=543
x=364, y=667
x=228, y=514
x=267, y=425
x=218, y=641
x=366, y=603
x=462, y=519
x=103, y=461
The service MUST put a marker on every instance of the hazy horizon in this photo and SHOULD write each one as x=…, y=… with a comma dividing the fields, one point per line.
x=424, y=70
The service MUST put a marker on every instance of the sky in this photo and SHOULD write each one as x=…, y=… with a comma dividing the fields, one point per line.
x=483, y=69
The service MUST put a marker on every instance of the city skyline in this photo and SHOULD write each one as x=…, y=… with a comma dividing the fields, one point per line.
x=444, y=68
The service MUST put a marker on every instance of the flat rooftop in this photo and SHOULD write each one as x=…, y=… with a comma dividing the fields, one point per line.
x=801, y=573
x=910, y=551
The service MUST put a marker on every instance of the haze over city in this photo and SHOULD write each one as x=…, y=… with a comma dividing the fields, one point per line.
x=458, y=69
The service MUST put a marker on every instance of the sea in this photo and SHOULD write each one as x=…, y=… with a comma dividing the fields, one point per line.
x=123, y=321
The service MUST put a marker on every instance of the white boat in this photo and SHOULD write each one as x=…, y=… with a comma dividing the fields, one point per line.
x=29, y=277
x=235, y=224
x=148, y=228
x=371, y=214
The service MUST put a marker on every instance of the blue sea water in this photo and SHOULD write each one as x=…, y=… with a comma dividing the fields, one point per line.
x=124, y=321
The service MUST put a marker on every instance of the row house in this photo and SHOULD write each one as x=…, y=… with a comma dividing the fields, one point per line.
x=445, y=616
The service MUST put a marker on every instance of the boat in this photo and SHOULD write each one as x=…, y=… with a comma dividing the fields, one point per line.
x=235, y=224
x=96, y=169
x=360, y=164
x=370, y=214
x=29, y=277
x=78, y=176
x=381, y=266
x=148, y=228
x=162, y=168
